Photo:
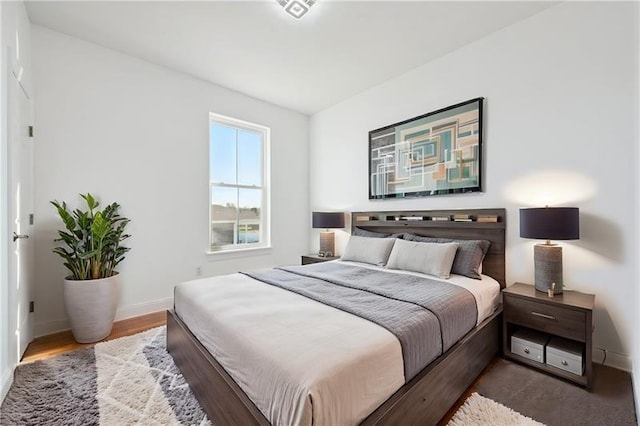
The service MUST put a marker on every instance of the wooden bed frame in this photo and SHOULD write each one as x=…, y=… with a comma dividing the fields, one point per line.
x=428, y=396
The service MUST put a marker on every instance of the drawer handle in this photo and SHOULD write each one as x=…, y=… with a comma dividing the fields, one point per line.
x=526, y=350
x=565, y=363
x=538, y=314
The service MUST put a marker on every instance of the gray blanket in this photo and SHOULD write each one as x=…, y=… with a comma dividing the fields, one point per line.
x=427, y=316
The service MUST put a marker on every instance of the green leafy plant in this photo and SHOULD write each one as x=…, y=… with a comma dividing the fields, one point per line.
x=92, y=240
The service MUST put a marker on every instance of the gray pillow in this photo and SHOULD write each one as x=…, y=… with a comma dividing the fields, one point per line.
x=414, y=237
x=429, y=258
x=469, y=256
x=368, y=250
x=371, y=234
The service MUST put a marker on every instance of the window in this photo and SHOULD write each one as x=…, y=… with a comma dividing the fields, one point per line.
x=238, y=184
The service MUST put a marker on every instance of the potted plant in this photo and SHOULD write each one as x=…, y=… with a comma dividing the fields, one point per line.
x=91, y=249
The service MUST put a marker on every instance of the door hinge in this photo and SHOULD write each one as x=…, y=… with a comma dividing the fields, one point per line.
x=30, y=218
x=32, y=307
x=30, y=131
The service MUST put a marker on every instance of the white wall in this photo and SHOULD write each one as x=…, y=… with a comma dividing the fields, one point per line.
x=6, y=368
x=16, y=49
x=559, y=129
x=132, y=132
x=636, y=357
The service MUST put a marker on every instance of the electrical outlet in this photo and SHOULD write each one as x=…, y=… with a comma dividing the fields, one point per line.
x=198, y=271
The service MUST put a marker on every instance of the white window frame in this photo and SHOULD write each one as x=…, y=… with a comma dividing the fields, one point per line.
x=265, y=210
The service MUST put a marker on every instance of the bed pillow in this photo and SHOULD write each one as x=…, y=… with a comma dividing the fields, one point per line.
x=368, y=250
x=469, y=257
x=359, y=232
x=371, y=234
x=429, y=258
x=420, y=238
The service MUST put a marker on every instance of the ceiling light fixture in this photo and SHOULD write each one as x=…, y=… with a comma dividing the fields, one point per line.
x=296, y=8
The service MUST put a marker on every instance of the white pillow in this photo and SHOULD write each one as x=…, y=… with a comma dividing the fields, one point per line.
x=429, y=258
x=368, y=250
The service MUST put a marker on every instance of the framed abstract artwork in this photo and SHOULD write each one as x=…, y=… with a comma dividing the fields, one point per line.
x=436, y=153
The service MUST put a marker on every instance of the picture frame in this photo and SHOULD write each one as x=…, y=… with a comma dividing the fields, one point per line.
x=433, y=154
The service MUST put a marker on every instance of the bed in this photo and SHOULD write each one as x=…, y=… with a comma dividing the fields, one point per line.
x=393, y=398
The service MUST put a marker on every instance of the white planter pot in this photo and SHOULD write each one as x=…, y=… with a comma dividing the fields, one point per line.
x=91, y=306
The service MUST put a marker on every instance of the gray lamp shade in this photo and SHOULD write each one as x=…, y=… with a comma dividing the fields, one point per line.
x=550, y=223
x=327, y=220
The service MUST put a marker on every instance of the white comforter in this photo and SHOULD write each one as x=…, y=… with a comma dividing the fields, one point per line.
x=300, y=362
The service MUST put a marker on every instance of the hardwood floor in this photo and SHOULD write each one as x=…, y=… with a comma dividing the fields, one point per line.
x=55, y=344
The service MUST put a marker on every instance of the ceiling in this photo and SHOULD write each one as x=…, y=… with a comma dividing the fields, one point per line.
x=340, y=48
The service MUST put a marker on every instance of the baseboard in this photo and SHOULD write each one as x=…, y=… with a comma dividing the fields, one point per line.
x=50, y=327
x=55, y=326
x=7, y=380
x=614, y=359
x=144, y=308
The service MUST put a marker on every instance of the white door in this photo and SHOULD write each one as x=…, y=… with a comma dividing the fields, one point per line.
x=21, y=204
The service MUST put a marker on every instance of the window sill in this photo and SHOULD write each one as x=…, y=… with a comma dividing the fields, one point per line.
x=238, y=253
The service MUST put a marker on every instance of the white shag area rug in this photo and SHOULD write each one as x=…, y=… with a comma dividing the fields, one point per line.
x=480, y=411
x=138, y=383
x=126, y=381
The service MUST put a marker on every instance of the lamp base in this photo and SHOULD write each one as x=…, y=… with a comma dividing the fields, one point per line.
x=327, y=244
x=547, y=259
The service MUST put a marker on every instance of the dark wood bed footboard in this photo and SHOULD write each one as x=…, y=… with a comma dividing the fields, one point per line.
x=422, y=401
x=219, y=396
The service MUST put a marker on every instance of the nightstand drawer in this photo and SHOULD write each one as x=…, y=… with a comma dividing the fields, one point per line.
x=529, y=344
x=552, y=319
x=565, y=355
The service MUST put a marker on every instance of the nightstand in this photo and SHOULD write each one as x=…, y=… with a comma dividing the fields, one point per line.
x=314, y=258
x=568, y=315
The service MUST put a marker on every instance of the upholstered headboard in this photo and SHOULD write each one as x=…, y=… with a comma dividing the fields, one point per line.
x=392, y=222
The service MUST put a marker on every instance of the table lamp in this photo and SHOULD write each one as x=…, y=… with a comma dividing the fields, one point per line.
x=549, y=223
x=327, y=220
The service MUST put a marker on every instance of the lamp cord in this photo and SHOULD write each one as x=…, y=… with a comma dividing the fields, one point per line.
x=604, y=355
